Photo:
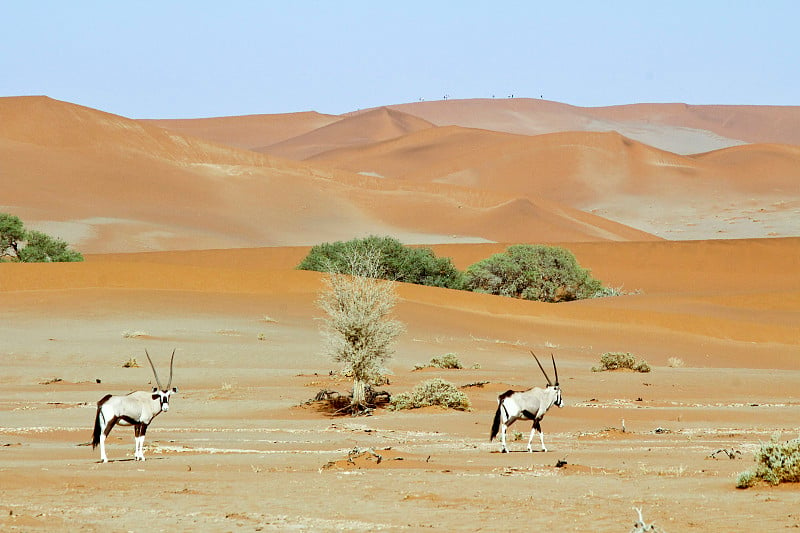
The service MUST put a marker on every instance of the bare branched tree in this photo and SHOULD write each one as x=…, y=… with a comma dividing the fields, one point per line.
x=359, y=329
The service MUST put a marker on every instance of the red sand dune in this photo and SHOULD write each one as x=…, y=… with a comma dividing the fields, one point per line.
x=603, y=173
x=679, y=128
x=634, y=176
x=106, y=183
x=365, y=128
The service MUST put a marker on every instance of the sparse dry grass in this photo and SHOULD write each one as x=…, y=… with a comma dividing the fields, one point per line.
x=621, y=361
x=448, y=360
x=675, y=362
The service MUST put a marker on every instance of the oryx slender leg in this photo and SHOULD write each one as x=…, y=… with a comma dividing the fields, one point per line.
x=101, y=421
x=137, y=429
x=534, y=428
x=507, y=421
x=139, y=433
x=103, y=456
x=541, y=437
x=107, y=425
x=530, y=439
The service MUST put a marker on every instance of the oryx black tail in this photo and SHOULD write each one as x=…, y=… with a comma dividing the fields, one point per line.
x=497, y=419
x=496, y=423
x=97, y=428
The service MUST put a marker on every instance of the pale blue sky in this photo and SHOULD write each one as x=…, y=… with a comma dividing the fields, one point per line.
x=170, y=59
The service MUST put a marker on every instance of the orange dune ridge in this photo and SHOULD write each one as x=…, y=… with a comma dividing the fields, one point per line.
x=252, y=132
x=369, y=127
x=696, y=196
x=107, y=184
x=578, y=168
x=689, y=288
x=623, y=163
x=679, y=128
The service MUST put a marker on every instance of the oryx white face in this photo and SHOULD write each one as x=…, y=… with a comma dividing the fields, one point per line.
x=163, y=397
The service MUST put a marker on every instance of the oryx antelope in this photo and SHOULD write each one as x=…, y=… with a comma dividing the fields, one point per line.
x=531, y=404
x=136, y=409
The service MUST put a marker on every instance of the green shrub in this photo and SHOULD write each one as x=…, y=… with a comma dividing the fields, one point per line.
x=432, y=392
x=745, y=480
x=776, y=463
x=397, y=262
x=620, y=360
x=533, y=272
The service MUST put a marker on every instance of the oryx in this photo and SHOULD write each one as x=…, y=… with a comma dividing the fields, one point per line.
x=136, y=409
x=531, y=404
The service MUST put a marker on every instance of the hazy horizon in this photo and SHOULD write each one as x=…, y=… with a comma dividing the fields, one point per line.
x=203, y=59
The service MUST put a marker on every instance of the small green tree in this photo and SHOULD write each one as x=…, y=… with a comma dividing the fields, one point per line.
x=359, y=329
x=19, y=244
x=42, y=248
x=533, y=272
x=397, y=262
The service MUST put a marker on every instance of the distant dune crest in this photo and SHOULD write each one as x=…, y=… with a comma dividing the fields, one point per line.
x=504, y=170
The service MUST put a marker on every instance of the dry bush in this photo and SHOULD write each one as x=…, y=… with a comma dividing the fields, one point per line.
x=621, y=360
x=675, y=362
x=359, y=330
x=336, y=403
x=131, y=363
x=432, y=392
x=448, y=360
x=776, y=463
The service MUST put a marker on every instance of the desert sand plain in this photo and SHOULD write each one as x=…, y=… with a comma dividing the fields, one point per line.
x=191, y=232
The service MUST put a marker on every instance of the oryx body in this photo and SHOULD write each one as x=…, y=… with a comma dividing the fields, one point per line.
x=531, y=404
x=137, y=409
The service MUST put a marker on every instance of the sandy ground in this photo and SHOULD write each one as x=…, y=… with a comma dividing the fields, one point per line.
x=238, y=450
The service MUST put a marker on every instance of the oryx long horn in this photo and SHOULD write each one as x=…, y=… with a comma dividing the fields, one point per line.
x=158, y=381
x=555, y=368
x=541, y=368
x=173, y=358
